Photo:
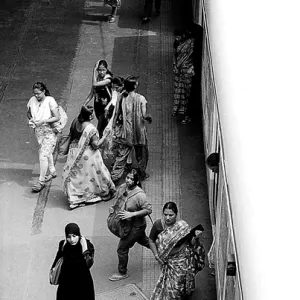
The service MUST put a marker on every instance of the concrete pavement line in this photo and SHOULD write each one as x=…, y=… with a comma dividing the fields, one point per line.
x=16, y=166
x=28, y=17
x=165, y=132
x=39, y=210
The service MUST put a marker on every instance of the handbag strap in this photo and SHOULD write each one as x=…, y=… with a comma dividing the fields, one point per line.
x=139, y=191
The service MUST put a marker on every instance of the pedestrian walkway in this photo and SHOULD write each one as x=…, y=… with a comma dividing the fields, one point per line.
x=59, y=45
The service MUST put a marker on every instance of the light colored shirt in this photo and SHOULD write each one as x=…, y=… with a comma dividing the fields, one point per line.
x=41, y=110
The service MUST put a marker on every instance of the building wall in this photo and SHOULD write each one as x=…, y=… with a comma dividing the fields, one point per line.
x=223, y=248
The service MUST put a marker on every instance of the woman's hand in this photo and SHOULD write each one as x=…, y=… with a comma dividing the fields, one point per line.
x=39, y=123
x=160, y=261
x=111, y=210
x=83, y=243
x=125, y=214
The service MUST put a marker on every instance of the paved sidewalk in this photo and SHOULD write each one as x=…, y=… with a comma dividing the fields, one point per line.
x=58, y=42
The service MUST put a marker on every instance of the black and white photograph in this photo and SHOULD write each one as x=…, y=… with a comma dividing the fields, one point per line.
x=144, y=149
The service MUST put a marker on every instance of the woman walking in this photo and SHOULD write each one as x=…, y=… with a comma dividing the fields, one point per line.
x=75, y=280
x=183, y=69
x=108, y=133
x=130, y=130
x=115, y=4
x=86, y=179
x=101, y=93
x=175, y=253
x=133, y=214
x=42, y=112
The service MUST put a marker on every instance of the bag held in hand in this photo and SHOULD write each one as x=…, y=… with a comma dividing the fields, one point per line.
x=55, y=272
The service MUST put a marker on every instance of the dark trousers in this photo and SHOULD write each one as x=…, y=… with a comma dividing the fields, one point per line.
x=148, y=7
x=136, y=235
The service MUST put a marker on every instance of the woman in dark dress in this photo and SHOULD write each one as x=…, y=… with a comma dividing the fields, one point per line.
x=75, y=281
x=101, y=93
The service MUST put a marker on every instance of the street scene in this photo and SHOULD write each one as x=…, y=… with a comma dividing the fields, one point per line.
x=58, y=43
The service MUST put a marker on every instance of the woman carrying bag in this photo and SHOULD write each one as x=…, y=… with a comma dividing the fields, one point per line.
x=75, y=280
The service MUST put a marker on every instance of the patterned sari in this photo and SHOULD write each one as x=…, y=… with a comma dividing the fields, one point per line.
x=85, y=176
x=183, y=72
x=177, y=278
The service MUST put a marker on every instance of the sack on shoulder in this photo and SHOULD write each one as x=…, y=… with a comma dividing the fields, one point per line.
x=61, y=123
x=118, y=227
x=63, y=145
x=55, y=272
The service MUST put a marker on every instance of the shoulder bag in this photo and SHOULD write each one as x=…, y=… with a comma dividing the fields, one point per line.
x=63, y=142
x=118, y=227
x=55, y=271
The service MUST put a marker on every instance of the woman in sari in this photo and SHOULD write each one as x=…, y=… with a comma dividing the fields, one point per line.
x=130, y=133
x=183, y=69
x=86, y=179
x=117, y=86
x=174, y=246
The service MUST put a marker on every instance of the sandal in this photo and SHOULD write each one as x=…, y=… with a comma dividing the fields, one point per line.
x=112, y=19
x=50, y=177
x=36, y=188
x=186, y=120
x=145, y=20
x=73, y=206
x=118, y=276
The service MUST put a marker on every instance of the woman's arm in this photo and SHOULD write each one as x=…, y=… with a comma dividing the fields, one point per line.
x=102, y=82
x=155, y=231
x=95, y=142
x=51, y=120
x=87, y=251
x=145, y=114
x=29, y=115
x=56, y=116
x=153, y=248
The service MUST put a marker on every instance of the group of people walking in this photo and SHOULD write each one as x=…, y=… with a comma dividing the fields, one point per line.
x=121, y=135
x=174, y=245
x=121, y=132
